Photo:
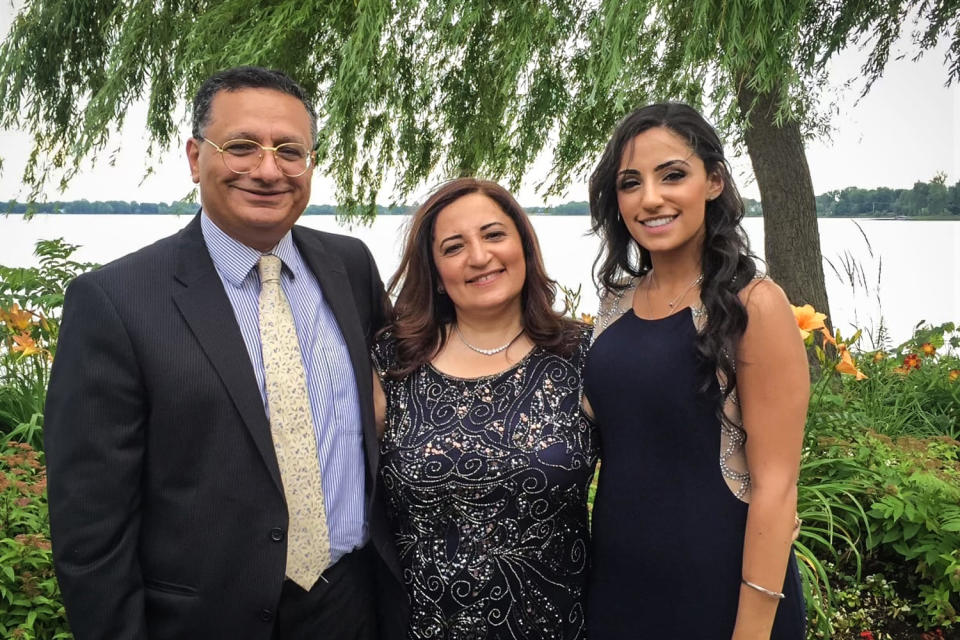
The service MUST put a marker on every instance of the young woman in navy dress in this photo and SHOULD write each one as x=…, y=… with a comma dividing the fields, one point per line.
x=698, y=382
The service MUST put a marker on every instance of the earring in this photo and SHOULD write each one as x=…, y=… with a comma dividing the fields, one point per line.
x=440, y=289
x=619, y=216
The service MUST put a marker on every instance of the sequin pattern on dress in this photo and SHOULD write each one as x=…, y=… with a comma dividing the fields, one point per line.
x=485, y=482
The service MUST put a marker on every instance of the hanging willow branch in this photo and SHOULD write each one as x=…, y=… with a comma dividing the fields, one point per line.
x=421, y=89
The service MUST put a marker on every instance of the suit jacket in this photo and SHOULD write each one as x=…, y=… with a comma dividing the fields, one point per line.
x=166, y=505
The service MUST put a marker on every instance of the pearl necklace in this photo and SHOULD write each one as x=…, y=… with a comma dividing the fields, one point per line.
x=486, y=352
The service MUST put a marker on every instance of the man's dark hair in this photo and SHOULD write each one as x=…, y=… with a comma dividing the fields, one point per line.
x=237, y=78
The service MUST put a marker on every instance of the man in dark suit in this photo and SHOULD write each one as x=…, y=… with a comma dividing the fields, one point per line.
x=174, y=511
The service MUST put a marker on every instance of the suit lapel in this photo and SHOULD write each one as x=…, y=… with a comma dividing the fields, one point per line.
x=332, y=276
x=208, y=312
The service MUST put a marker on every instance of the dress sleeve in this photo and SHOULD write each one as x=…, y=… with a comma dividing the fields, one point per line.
x=586, y=339
x=384, y=356
x=588, y=424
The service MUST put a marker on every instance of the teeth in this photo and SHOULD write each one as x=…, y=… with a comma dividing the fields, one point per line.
x=659, y=222
x=485, y=278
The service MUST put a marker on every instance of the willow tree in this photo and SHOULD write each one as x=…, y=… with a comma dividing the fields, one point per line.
x=414, y=90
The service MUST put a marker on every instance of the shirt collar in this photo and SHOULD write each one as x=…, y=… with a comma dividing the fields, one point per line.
x=235, y=260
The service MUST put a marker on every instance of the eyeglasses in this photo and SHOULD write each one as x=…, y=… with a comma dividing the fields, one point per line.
x=244, y=156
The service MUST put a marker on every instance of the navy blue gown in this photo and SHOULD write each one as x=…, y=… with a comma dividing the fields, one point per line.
x=667, y=537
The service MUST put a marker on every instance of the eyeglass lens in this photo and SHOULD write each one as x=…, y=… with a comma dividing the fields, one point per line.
x=244, y=156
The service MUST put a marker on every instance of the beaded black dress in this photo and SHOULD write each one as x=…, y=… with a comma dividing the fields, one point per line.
x=485, y=482
x=670, y=512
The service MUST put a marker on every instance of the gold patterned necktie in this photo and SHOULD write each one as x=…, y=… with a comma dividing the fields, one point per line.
x=291, y=423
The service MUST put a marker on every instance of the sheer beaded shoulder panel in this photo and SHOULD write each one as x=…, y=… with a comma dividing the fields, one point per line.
x=614, y=304
x=733, y=458
x=733, y=438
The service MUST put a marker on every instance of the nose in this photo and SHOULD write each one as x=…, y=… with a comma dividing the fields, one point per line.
x=651, y=198
x=477, y=254
x=268, y=169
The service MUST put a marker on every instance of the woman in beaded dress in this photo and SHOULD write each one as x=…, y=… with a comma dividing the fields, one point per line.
x=485, y=455
x=698, y=383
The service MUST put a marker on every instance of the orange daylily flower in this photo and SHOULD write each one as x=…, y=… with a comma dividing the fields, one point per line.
x=808, y=319
x=928, y=349
x=586, y=318
x=911, y=361
x=954, y=375
x=25, y=345
x=827, y=337
x=878, y=356
x=846, y=364
x=17, y=318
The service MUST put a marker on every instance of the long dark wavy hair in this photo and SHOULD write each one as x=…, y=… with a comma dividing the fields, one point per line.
x=421, y=312
x=727, y=262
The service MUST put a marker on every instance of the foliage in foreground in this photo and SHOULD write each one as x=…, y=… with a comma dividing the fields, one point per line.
x=30, y=605
x=880, y=486
x=30, y=303
x=879, y=490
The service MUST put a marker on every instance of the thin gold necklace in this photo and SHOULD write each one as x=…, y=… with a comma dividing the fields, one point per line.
x=672, y=303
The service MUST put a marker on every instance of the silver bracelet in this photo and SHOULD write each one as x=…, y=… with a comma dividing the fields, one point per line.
x=766, y=592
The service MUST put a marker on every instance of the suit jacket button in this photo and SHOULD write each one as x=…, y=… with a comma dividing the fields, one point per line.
x=277, y=534
x=266, y=615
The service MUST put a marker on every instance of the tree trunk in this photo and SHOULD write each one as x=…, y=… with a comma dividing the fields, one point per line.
x=791, y=236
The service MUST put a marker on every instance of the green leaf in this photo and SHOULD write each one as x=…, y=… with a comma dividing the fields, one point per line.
x=910, y=530
x=891, y=535
x=952, y=526
x=910, y=512
x=902, y=548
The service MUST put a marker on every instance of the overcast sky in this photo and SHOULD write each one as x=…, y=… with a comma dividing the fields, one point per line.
x=906, y=129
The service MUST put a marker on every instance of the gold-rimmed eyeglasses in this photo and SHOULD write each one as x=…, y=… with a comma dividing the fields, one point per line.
x=244, y=156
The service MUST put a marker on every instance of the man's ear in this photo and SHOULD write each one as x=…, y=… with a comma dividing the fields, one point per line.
x=193, y=157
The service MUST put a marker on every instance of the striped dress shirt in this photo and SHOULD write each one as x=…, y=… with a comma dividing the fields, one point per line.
x=326, y=361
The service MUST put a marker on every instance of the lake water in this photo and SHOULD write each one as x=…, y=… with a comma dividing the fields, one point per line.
x=895, y=271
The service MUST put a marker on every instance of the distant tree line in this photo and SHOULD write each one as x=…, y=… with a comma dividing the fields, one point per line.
x=148, y=208
x=101, y=207
x=189, y=208
x=932, y=198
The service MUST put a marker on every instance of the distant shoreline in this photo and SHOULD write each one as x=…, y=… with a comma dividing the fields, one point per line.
x=941, y=218
x=932, y=200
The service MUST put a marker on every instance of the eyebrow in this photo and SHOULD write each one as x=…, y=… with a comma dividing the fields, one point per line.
x=482, y=228
x=659, y=167
x=247, y=135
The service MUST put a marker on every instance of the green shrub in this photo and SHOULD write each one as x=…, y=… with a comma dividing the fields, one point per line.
x=830, y=502
x=30, y=605
x=916, y=516
x=870, y=603
x=911, y=390
x=30, y=302
x=880, y=485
